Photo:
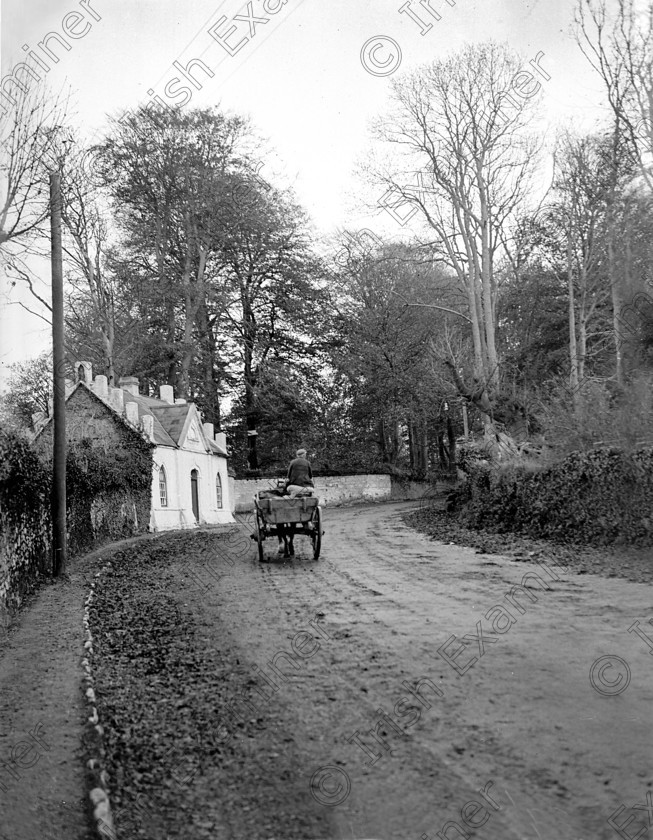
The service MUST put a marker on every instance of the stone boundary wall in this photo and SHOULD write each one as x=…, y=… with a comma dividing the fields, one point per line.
x=331, y=490
x=402, y=490
x=104, y=502
x=24, y=554
x=26, y=545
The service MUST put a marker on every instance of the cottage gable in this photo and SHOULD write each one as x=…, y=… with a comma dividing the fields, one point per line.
x=190, y=479
x=90, y=418
x=192, y=435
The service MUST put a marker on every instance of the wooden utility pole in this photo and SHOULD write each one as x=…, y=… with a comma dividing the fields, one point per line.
x=59, y=536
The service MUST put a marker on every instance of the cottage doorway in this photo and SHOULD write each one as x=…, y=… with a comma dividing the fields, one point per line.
x=195, y=494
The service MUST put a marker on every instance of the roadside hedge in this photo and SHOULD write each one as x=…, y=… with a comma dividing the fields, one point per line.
x=599, y=497
x=24, y=519
x=108, y=497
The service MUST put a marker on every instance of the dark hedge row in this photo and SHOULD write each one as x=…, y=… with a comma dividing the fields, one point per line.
x=599, y=497
x=108, y=497
x=24, y=518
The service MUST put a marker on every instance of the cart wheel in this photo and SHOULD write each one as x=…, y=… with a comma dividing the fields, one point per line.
x=259, y=539
x=316, y=536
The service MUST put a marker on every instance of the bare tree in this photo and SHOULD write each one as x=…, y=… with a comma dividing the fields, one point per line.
x=32, y=120
x=461, y=123
x=584, y=187
x=91, y=299
x=617, y=39
x=29, y=131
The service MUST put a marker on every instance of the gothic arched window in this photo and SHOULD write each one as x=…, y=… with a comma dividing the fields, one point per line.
x=163, y=487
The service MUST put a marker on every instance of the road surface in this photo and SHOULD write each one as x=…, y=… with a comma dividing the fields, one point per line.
x=434, y=700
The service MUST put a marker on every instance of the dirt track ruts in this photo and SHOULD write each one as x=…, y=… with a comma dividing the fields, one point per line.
x=561, y=756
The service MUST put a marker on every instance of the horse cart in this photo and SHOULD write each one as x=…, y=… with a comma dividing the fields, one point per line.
x=286, y=517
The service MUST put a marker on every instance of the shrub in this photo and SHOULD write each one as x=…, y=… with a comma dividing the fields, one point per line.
x=601, y=496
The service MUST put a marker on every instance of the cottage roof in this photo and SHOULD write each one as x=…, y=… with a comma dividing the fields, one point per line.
x=169, y=422
x=172, y=418
x=70, y=391
x=149, y=405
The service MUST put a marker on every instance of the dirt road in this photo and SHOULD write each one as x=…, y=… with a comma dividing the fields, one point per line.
x=422, y=683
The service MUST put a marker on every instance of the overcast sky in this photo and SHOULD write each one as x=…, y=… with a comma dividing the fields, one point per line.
x=296, y=69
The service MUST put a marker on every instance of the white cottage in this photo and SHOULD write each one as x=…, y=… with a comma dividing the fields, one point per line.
x=191, y=485
x=191, y=482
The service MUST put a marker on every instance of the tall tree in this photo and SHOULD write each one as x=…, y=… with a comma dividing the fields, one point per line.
x=381, y=345
x=462, y=124
x=617, y=39
x=31, y=127
x=32, y=124
x=169, y=171
x=274, y=304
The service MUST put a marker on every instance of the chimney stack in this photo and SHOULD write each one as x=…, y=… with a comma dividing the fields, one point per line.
x=131, y=411
x=167, y=394
x=148, y=425
x=101, y=386
x=129, y=383
x=208, y=430
x=221, y=440
x=117, y=399
x=84, y=372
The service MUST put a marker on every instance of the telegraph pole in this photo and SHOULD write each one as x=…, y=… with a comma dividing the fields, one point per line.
x=59, y=536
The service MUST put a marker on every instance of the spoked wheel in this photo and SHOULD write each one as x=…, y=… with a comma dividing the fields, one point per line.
x=259, y=540
x=316, y=536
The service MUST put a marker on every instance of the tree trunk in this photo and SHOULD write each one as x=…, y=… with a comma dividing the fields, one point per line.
x=382, y=441
x=209, y=367
x=451, y=437
x=412, y=445
x=574, y=381
x=486, y=286
x=617, y=306
x=424, y=448
x=250, y=376
x=395, y=442
x=442, y=453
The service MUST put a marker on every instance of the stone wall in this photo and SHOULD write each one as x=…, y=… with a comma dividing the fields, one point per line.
x=26, y=541
x=87, y=418
x=24, y=555
x=105, y=499
x=331, y=490
x=24, y=520
x=408, y=490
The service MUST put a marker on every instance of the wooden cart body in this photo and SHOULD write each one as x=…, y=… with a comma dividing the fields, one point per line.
x=272, y=514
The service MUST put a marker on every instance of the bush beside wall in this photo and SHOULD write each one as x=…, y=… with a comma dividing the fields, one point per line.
x=24, y=519
x=599, y=497
x=108, y=498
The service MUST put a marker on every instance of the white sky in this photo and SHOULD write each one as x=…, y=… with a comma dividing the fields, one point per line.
x=299, y=77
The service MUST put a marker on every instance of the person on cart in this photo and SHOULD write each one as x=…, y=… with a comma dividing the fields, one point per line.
x=299, y=482
x=300, y=476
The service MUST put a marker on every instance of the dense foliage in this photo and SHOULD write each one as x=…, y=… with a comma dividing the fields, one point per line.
x=108, y=495
x=511, y=311
x=603, y=496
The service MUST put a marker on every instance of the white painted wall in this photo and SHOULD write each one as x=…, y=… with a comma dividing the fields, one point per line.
x=331, y=490
x=178, y=465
